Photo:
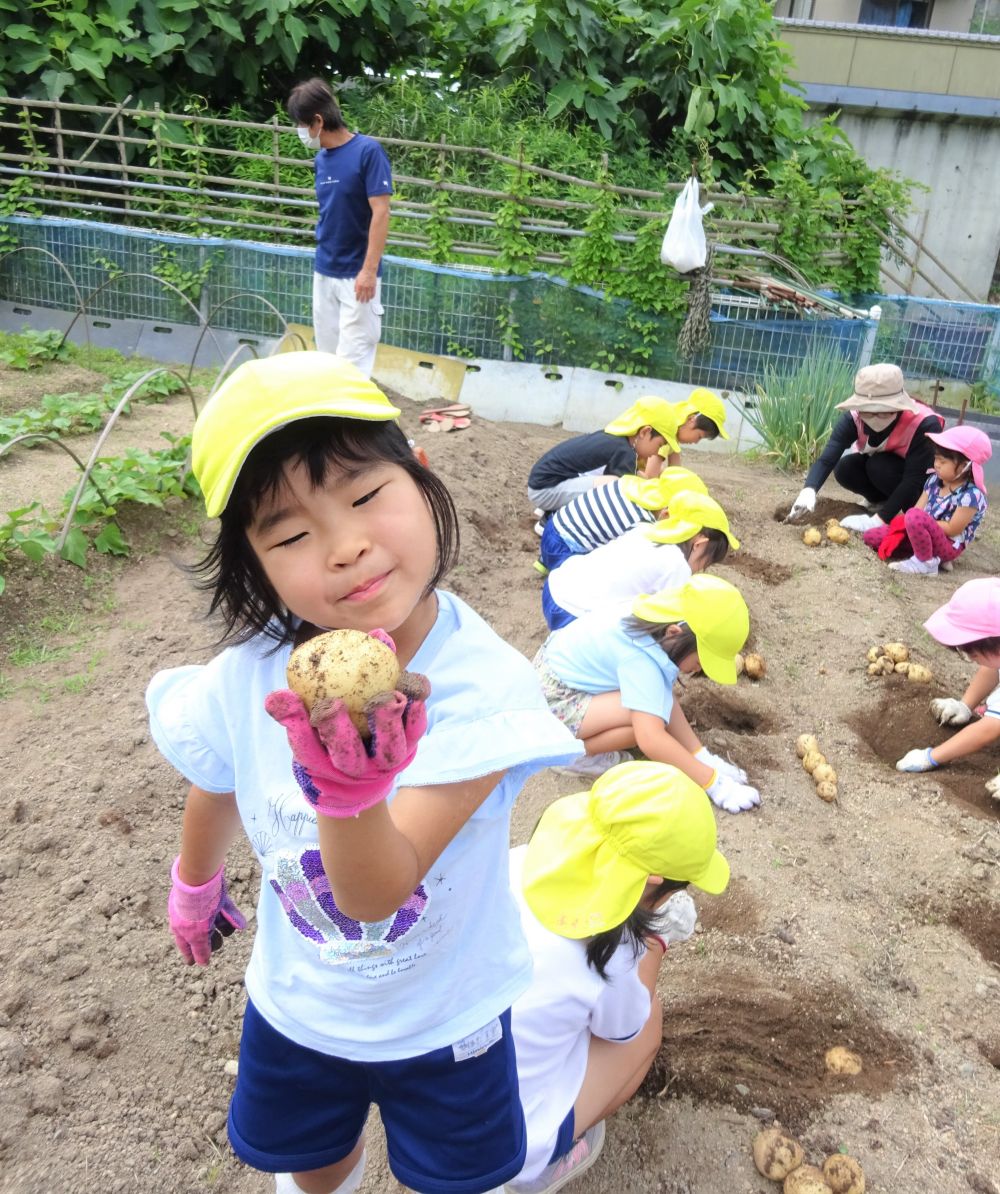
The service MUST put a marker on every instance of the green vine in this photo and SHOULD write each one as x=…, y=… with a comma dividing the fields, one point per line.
x=516, y=252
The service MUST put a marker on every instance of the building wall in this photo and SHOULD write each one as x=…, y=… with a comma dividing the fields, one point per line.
x=946, y=15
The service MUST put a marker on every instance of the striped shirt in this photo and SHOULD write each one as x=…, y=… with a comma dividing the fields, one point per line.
x=598, y=516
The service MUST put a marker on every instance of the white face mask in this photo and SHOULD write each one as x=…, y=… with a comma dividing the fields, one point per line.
x=309, y=141
x=878, y=421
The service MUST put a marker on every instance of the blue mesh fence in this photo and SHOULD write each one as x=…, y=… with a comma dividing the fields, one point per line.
x=475, y=312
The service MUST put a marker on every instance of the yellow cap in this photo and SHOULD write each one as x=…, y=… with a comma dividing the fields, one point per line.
x=688, y=514
x=701, y=402
x=588, y=861
x=653, y=412
x=714, y=610
x=262, y=396
x=655, y=493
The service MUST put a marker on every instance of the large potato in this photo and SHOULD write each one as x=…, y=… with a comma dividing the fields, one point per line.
x=919, y=674
x=806, y=743
x=755, y=666
x=807, y=1179
x=826, y=791
x=844, y=1175
x=842, y=1061
x=813, y=760
x=811, y=537
x=824, y=774
x=345, y=664
x=838, y=534
x=776, y=1154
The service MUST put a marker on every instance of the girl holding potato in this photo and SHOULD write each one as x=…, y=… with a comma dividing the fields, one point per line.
x=370, y=980
x=611, y=681
x=970, y=624
x=601, y=891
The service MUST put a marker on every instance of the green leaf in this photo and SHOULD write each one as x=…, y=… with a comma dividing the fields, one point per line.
x=297, y=31
x=55, y=82
x=86, y=60
x=110, y=541
x=164, y=43
x=22, y=33
x=75, y=547
x=229, y=26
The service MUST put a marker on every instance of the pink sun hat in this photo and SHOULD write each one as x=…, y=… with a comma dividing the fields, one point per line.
x=972, y=613
x=972, y=443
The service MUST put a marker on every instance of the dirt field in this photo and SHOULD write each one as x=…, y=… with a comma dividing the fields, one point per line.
x=873, y=923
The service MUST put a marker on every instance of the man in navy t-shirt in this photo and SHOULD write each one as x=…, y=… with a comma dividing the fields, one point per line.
x=353, y=185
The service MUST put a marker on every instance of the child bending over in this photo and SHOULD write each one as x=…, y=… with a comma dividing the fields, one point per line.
x=647, y=559
x=970, y=624
x=702, y=415
x=585, y=461
x=611, y=680
x=369, y=981
x=598, y=517
x=600, y=886
x=949, y=510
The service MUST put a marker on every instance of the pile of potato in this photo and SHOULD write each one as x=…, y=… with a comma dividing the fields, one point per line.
x=780, y=1158
x=835, y=533
x=752, y=665
x=895, y=657
x=814, y=761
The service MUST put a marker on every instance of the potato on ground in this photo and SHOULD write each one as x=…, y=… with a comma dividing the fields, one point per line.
x=813, y=760
x=874, y=653
x=827, y=791
x=345, y=664
x=842, y=1061
x=806, y=743
x=897, y=652
x=919, y=674
x=844, y=1175
x=755, y=666
x=824, y=774
x=839, y=535
x=776, y=1154
x=807, y=1179
x=811, y=537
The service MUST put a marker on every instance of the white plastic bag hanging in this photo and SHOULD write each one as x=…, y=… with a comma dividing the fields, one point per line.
x=684, y=241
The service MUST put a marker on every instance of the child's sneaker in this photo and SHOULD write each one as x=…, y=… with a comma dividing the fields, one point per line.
x=917, y=567
x=539, y=513
x=540, y=568
x=539, y=528
x=946, y=566
x=578, y=1160
x=596, y=765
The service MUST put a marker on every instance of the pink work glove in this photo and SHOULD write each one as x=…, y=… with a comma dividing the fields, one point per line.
x=201, y=916
x=340, y=774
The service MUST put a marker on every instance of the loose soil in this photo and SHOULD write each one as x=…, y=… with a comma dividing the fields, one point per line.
x=870, y=923
x=900, y=720
x=825, y=508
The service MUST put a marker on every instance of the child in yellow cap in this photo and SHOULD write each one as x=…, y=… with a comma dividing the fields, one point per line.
x=579, y=464
x=601, y=892
x=692, y=537
x=365, y=958
x=702, y=415
x=610, y=679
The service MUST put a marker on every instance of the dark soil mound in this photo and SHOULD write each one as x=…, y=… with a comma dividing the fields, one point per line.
x=754, y=568
x=825, y=508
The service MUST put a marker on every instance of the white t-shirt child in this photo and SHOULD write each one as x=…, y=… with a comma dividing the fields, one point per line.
x=553, y=1021
x=453, y=957
x=617, y=572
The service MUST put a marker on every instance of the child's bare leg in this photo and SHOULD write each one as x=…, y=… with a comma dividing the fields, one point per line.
x=333, y=1177
x=607, y=725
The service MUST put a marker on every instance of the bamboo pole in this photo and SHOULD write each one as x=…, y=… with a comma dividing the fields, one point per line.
x=936, y=260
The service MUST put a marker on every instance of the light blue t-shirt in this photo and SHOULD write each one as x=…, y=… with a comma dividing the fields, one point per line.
x=453, y=957
x=596, y=654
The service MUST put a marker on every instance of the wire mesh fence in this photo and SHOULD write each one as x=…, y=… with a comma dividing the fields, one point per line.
x=474, y=312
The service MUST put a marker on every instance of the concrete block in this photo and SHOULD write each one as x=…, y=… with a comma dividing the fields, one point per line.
x=517, y=393
x=421, y=376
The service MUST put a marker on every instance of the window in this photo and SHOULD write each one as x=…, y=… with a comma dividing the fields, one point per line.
x=903, y=14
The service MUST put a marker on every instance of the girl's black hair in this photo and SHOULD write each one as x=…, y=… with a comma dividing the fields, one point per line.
x=958, y=458
x=676, y=647
x=988, y=646
x=718, y=545
x=231, y=572
x=601, y=947
x=709, y=426
x=311, y=99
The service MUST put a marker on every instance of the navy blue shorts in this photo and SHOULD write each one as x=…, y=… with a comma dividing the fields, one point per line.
x=555, y=616
x=452, y=1127
x=554, y=548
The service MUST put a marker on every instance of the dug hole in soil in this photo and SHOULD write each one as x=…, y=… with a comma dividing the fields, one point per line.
x=864, y=923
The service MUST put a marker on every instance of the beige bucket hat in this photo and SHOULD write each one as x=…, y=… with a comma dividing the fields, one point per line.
x=878, y=388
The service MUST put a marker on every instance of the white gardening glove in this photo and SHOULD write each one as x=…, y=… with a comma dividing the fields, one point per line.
x=861, y=522
x=993, y=787
x=805, y=503
x=675, y=919
x=949, y=712
x=917, y=760
x=732, y=797
x=721, y=765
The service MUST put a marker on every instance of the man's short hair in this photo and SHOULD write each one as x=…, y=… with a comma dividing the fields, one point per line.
x=311, y=99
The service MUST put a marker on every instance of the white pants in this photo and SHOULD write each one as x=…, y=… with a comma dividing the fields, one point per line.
x=344, y=326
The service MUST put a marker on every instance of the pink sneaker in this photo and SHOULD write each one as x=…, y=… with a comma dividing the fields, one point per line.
x=578, y=1160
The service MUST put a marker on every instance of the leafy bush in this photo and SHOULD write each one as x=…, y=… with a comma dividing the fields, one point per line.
x=793, y=412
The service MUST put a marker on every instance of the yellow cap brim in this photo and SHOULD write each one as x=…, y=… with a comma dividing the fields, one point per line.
x=262, y=396
x=667, y=530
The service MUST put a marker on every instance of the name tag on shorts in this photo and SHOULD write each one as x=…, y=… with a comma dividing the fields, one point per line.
x=476, y=1043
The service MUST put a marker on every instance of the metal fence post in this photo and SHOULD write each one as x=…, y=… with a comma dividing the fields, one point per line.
x=871, y=335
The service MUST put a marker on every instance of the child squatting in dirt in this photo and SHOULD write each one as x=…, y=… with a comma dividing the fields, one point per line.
x=970, y=624
x=369, y=981
x=610, y=679
x=601, y=892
